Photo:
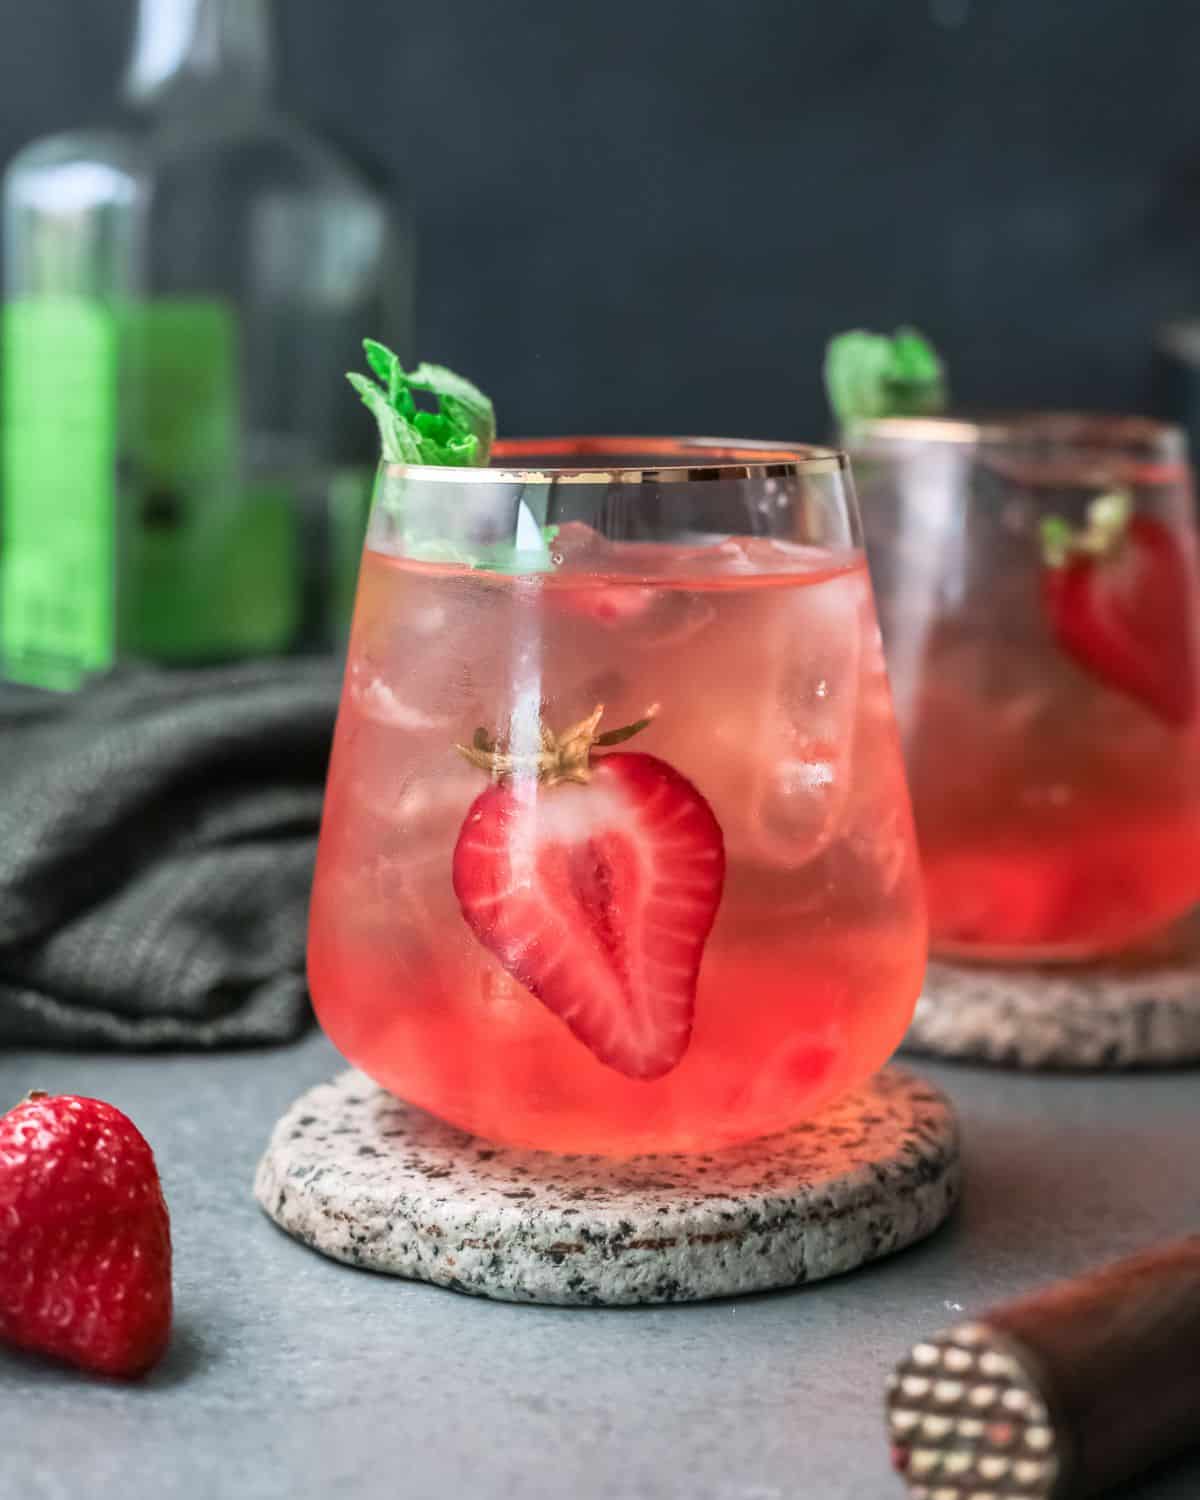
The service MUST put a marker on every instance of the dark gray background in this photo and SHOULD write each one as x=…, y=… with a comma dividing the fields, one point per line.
x=650, y=214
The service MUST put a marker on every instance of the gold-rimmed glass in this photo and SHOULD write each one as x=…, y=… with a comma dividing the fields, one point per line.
x=718, y=589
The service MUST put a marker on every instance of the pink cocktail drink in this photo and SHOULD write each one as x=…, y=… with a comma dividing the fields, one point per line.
x=673, y=941
x=1057, y=821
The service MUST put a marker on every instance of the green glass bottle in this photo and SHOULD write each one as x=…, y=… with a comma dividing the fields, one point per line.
x=181, y=479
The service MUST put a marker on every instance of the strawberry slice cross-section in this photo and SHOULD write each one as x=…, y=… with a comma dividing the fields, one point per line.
x=595, y=883
x=1118, y=598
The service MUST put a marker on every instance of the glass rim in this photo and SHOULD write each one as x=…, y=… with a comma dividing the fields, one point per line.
x=1097, y=430
x=686, y=460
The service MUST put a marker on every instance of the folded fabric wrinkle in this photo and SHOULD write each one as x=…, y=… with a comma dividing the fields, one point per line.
x=157, y=837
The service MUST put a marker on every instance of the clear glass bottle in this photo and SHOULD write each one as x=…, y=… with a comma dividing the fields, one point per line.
x=181, y=480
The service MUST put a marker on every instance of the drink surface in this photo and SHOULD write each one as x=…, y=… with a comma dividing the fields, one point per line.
x=765, y=664
x=1058, y=816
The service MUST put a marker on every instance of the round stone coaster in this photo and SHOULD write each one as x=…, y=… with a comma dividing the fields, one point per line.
x=369, y=1180
x=1101, y=1016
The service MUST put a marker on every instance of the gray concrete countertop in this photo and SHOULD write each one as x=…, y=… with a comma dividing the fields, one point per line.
x=292, y=1378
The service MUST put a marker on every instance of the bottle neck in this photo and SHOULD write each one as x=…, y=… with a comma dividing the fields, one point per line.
x=200, y=51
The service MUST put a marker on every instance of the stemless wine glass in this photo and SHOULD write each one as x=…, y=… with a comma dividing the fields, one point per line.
x=617, y=853
x=1038, y=596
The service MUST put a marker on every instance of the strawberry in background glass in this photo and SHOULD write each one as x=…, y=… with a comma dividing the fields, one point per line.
x=1119, y=597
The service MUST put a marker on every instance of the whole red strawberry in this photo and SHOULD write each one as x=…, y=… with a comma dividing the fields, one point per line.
x=595, y=883
x=85, y=1242
x=1118, y=598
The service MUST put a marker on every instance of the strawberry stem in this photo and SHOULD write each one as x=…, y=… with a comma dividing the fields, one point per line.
x=560, y=757
x=1108, y=519
x=619, y=736
x=32, y=1097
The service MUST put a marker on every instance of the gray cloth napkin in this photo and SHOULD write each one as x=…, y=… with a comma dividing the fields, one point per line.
x=157, y=834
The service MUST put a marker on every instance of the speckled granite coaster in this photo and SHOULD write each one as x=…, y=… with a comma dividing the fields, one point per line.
x=369, y=1180
x=1101, y=1016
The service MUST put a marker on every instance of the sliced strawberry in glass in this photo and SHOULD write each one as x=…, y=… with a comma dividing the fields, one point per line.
x=595, y=885
x=1118, y=596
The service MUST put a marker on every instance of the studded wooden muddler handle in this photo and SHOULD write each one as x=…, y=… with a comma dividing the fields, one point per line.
x=1060, y=1395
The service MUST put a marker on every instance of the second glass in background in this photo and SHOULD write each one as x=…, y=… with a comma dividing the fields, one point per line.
x=1037, y=590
